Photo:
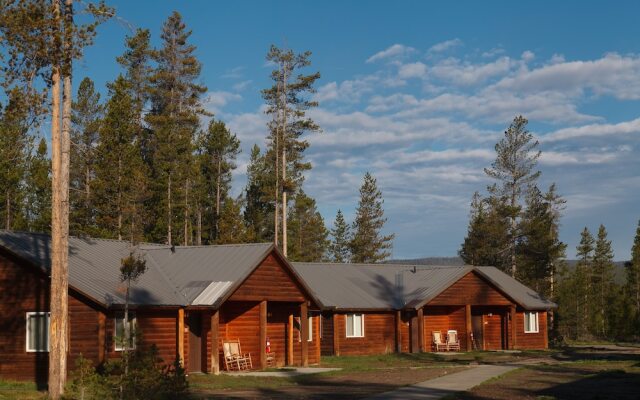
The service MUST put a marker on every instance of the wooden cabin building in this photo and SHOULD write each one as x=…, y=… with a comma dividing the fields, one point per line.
x=188, y=301
x=373, y=308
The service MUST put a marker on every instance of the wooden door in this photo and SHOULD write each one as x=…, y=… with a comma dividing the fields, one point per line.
x=478, y=331
x=195, y=342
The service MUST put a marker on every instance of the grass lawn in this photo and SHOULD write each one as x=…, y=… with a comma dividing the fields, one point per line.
x=567, y=380
x=19, y=390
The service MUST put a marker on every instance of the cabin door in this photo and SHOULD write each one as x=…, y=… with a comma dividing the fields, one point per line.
x=478, y=331
x=195, y=342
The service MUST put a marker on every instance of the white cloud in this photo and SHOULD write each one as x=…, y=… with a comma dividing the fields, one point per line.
x=557, y=158
x=446, y=45
x=397, y=50
x=611, y=75
x=234, y=73
x=594, y=130
x=457, y=72
x=412, y=70
x=349, y=91
x=240, y=86
x=215, y=101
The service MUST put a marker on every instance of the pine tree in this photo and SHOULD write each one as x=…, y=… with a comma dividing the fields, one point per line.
x=368, y=245
x=632, y=270
x=15, y=146
x=287, y=103
x=341, y=234
x=231, y=225
x=217, y=152
x=539, y=249
x=85, y=118
x=486, y=234
x=603, y=281
x=118, y=193
x=516, y=157
x=174, y=120
x=307, y=232
x=259, y=209
x=38, y=197
x=583, y=287
x=136, y=62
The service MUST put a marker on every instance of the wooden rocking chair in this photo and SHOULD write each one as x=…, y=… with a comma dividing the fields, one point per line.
x=453, y=342
x=437, y=343
x=234, y=359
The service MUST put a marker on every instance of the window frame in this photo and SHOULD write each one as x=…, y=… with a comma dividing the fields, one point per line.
x=27, y=325
x=134, y=324
x=346, y=324
x=527, y=327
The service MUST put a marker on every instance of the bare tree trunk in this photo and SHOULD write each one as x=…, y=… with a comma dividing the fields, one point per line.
x=169, y=211
x=119, y=199
x=513, y=234
x=199, y=230
x=218, y=177
x=186, y=212
x=284, y=160
x=8, y=219
x=87, y=194
x=60, y=218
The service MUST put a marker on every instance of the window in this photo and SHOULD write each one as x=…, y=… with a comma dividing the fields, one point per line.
x=37, y=331
x=355, y=325
x=310, y=338
x=118, y=338
x=531, y=322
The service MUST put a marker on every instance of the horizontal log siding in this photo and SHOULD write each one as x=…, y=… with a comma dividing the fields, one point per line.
x=471, y=289
x=444, y=318
x=156, y=327
x=24, y=289
x=379, y=335
x=270, y=281
x=530, y=341
x=327, y=334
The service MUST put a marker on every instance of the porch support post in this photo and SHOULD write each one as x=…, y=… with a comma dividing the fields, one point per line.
x=398, y=331
x=215, y=356
x=514, y=325
x=421, y=329
x=336, y=334
x=180, y=336
x=102, y=335
x=290, y=340
x=467, y=311
x=263, y=334
x=316, y=337
x=546, y=329
x=304, y=332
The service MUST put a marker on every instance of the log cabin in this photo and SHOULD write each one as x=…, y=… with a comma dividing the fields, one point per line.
x=188, y=301
x=374, y=308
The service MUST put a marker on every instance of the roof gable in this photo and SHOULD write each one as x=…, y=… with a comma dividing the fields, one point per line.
x=470, y=289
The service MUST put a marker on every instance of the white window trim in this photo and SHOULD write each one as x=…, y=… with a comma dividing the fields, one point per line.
x=26, y=342
x=537, y=322
x=116, y=345
x=346, y=329
x=310, y=338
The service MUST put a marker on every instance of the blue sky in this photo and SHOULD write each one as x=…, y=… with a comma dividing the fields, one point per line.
x=419, y=92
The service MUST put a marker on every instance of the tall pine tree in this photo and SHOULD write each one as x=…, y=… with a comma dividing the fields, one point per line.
x=119, y=168
x=339, y=249
x=287, y=103
x=38, y=196
x=174, y=119
x=259, y=208
x=86, y=117
x=603, y=282
x=632, y=270
x=307, y=232
x=217, y=152
x=368, y=244
x=516, y=158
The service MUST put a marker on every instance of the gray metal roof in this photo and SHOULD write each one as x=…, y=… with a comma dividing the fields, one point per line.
x=193, y=269
x=393, y=286
x=172, y=278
